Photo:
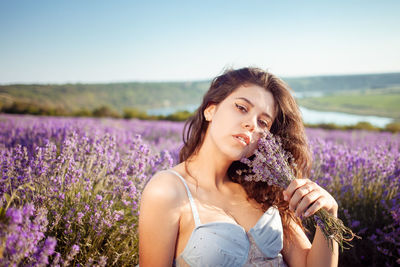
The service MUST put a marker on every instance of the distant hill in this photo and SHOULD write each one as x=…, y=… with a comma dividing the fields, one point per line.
x=334, y=84
x=118, y=96
x=148, y=95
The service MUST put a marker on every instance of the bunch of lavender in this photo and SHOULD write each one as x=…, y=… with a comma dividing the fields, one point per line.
x=274, y=166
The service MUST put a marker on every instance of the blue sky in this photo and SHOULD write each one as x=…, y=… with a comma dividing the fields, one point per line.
x=111, y=41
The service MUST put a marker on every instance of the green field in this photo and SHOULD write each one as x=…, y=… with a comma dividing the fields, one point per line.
x=384, y=102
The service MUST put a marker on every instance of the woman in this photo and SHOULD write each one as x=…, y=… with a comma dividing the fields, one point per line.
x=202, y=213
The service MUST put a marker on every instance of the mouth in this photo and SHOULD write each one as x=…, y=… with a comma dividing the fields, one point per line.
x=242, y=138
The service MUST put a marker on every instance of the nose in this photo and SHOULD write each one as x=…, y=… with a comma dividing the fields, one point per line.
x=248, y=125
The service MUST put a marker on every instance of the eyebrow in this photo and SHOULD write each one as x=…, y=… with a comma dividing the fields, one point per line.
x=252, y=105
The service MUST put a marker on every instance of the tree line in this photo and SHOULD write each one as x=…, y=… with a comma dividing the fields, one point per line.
x=102, y=111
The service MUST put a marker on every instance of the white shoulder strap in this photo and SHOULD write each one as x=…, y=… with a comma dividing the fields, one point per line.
x=192, y=204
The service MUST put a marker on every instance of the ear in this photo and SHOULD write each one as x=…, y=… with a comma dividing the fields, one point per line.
x=209, y=111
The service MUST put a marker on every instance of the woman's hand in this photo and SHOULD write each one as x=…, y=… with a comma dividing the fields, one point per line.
x=305, y=197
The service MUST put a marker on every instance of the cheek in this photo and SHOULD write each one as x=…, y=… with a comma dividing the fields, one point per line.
x=250, y=150
x=253, y=146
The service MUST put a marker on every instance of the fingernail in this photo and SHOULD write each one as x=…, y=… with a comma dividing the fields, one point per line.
x=306, y=213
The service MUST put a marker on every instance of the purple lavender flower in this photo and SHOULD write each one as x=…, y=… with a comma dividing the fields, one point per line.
x=99, y=198
x=274, y=166
x=14, y=215
x=83, y=157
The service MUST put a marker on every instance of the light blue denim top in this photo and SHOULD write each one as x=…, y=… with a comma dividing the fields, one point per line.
x=228, y=244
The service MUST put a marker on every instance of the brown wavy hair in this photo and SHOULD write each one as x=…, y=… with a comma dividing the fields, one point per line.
x=288, y=125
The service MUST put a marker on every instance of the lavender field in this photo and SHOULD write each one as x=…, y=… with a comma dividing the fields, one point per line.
x=70, y=188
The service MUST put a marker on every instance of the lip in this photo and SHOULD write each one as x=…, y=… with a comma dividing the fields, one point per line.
x=244, y=136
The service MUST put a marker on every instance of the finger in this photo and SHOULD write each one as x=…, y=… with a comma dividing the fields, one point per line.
x=299, y=194
x=296, y=183
x=307, y=201
x=317, y=205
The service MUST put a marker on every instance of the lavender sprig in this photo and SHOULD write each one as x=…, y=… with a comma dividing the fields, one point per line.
x=275, y=166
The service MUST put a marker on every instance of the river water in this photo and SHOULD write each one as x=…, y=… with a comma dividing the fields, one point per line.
x=314, y=117
x=309, y=116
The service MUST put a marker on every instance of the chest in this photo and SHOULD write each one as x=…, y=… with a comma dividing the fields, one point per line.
x=235, y=209
x=229, y=244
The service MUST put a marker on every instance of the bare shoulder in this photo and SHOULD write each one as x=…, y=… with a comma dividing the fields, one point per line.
x=160, y=211
x=164, y=186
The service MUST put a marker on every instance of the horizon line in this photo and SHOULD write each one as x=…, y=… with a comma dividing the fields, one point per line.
x=194, y=80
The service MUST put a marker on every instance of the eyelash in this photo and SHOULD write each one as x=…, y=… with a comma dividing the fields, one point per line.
x=265, y=125
x=243, y=109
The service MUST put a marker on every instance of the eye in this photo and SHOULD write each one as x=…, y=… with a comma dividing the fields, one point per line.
x=241, y=108
x=263, y=123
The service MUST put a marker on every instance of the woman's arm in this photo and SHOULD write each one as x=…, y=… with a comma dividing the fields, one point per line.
x=306, y=196
x=159, y=221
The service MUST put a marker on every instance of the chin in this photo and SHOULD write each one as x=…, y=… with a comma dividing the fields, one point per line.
x=239, y=156
x=235, y=153
x=235, y=158
x=249, y=152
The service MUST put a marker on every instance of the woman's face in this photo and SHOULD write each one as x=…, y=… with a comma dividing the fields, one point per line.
x=239, y=120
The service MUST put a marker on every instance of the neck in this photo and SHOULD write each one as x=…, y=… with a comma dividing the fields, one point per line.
x=209, y=167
